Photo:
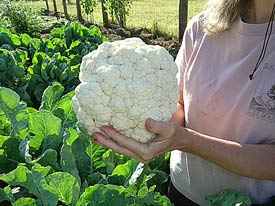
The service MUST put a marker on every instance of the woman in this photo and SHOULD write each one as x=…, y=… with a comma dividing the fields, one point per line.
x=223, y=132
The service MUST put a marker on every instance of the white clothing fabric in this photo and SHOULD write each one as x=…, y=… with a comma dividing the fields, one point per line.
x=222, y=102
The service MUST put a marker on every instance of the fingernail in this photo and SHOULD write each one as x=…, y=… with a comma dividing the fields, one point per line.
x=150, y=123
x=96, y=134
x=107, y=128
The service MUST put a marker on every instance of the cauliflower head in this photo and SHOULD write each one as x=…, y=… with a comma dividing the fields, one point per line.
x=122, y=84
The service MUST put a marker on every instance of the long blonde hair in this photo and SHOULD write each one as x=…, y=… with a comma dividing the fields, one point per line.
x=219, y=15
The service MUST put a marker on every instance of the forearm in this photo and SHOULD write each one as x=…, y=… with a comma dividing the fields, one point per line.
x=254, y=161
x=178, y=116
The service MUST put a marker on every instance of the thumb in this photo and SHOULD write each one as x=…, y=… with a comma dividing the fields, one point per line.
x=159, y=127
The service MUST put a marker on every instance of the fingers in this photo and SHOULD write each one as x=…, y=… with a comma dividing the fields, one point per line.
x=114, y=143
x=144, y=152
x=164, y=129
x=124, y=140
x=102, y=140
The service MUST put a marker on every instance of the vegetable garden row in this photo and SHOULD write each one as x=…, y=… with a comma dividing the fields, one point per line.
x=44, y=158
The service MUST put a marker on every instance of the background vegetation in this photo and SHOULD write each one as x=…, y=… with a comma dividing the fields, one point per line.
x=156, y=15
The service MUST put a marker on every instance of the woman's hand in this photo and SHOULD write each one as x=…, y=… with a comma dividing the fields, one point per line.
x=169, y=136
x=167, y=139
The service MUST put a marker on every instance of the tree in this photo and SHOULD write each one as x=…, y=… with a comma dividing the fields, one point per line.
x=183, y=15
x=55, y=8
x=78, y=10
x=64, y=2
x=104, y=13
x=47, y=5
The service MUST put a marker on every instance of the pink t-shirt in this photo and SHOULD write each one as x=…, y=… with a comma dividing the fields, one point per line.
x=221, y=101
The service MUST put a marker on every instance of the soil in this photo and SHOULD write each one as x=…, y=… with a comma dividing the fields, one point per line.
x=116, y=33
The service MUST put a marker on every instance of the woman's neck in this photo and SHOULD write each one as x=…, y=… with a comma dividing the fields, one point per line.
x=259, y=11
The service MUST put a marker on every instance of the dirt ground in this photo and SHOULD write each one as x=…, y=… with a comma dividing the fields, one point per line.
x=115, y=33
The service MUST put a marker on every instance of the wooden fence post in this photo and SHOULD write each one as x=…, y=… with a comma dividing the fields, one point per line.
x=183, y=15
x=47, y=5
x=55, y=8
x=78, y=11
x=64, y=2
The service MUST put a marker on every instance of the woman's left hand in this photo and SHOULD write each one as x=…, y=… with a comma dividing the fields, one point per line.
x=167, y=139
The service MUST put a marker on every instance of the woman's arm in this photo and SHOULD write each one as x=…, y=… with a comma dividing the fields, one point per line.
x=254, y=161
x=251, y=160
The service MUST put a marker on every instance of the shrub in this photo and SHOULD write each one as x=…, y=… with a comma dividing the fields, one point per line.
x=119, y=9
x=22, y=19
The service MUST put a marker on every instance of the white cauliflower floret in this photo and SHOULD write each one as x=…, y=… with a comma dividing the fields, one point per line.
x=123, y=83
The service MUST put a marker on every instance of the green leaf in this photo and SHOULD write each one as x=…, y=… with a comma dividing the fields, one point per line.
x=68, y=160
x=46, y=129
x=13, y=114
x=46, y=194
x=6, y=194
x=97, y=178
x=8, y=38
x=75, y=44
x=8, y=99
x=123, y=173
x=44, y=74
x=64, y=110
x=95, y=153
x=17, y=177
x=66, y=186
x=48, y=158
x=25, y=201
x=80, y=148
x=39, y=89
x=111, y=160
x=103, y=195
x=57, y=33
x=136, y=174
x=9, y=154
x=47, y=188
x=156, y=177
x=68, y=34
x=34, y=181
x=3, y=64
x=228, y=197
x=34, y=46
x=39, y=57
x=25, y=39
x=24, y=150
x=51, y=96
x=15, y=39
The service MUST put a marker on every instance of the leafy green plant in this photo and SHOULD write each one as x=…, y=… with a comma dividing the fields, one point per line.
x=228, y=197
x=22, y=18
x=48, y=161
x=29, y=65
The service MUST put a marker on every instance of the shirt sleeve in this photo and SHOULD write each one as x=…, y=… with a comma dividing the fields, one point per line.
x=186, y=49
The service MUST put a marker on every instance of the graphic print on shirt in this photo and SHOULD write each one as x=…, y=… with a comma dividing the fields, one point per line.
x=263, y=103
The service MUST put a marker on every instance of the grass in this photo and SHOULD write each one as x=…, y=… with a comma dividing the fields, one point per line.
x=156, y=15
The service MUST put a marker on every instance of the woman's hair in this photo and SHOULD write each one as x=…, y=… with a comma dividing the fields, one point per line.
x=219, y=15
